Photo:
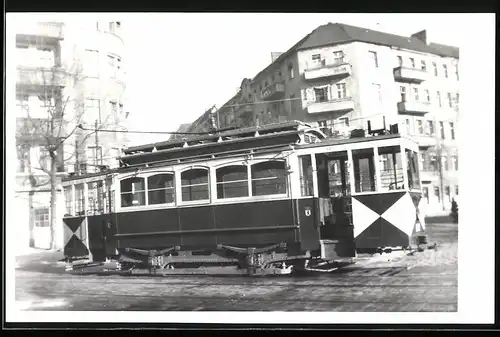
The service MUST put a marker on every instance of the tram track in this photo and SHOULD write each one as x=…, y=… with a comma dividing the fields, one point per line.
x=245, y=299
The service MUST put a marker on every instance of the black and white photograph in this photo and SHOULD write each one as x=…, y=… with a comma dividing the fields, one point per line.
x=249, y=167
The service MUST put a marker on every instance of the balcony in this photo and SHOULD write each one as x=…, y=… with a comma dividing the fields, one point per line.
x=52, y=31
x=341, y=104
x=41, y=76
x=414, y=107
x=424, y=140
x=412, y=75
x=274, y=91
x=337, y=69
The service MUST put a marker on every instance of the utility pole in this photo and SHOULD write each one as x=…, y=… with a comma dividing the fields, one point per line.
x=439, y=157
x=77, y=162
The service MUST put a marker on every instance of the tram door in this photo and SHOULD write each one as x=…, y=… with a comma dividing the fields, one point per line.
x=335, y=197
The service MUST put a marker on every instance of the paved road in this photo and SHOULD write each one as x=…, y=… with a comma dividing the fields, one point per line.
x=423, y=282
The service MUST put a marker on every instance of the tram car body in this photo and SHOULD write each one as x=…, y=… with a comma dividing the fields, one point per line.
x=262, y=200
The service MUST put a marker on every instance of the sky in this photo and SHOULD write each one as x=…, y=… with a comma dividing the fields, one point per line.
x=180, y=64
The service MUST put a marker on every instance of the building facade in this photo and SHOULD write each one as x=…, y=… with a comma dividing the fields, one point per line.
x=67, y=74
x=339, y=76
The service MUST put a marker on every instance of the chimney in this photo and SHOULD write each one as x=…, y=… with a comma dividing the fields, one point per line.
x=422, y=36
x=275, y=55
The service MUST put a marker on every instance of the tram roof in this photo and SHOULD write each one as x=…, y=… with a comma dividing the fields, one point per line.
x=223, y=135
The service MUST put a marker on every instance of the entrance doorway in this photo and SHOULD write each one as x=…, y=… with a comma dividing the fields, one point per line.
x=41, y=228
x=334, y=192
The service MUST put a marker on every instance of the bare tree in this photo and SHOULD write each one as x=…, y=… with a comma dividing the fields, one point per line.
x=53, y=129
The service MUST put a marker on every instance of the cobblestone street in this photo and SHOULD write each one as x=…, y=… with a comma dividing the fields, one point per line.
x=426, y=281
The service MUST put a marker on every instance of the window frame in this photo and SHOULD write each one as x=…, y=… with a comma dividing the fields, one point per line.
x=181, y=186
x=217, y=183
x=174, y=188
x=251, y=179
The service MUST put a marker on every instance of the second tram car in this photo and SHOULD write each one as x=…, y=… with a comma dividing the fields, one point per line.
x=265, y=200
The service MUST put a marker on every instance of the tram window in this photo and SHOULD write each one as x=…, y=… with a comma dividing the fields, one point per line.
x=306, y=176
x=412, y=168
x=333, y=174
x=232, y=182
x=133, y=192
x=269, y=178
x=68, y=199
x=95, y=203
x=194, y=185
x=391, y=168
x=364, y=170
x=79, y=199
x=161, y=189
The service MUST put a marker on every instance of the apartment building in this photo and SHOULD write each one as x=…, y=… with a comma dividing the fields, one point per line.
x=67, y=74
x=339, y=76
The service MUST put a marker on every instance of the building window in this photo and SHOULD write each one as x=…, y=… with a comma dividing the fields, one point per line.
x=113, y=108
x=423, y=65
x=133, y=192
x=161, y=189
x=194, y=185
x=415, y=94
x=452, y=130
x=338, y=57
x=456, y=189
x=113, y=65
x=43, y=158
x=412, y=62
x=91, y=63
x=450, y=100
x=291, y=71
x=438, y=96
x=444, y=162
x=400, y=61
x=420, y=126
x=374, y=58
x=42, y=217
x=114, y=27
x=321, y=94
x=441, y=130
x=92, y=110
x=430, y=127
x=407, y=123
x=316, y=60
x=341, y=90
x=232, y=182
x=437, y=194
x=456, y=72
x=377, y=92
x=434, y=65
x=402, y=91
x=445, y=70
x=427, y=95
x=23, y=158
x=454, y=159
x=432, y=163
x=269, y=178
x=22, y=105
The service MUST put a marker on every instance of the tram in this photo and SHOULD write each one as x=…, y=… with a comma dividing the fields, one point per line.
x=264, y=200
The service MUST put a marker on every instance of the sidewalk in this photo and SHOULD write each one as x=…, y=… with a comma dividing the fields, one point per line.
x=40, y=260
